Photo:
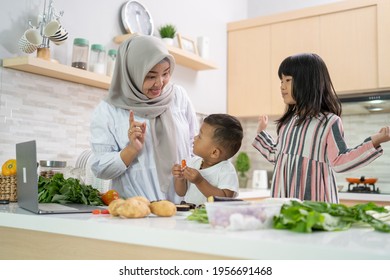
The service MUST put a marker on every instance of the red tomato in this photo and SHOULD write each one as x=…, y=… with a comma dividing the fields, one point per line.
x=109, y=196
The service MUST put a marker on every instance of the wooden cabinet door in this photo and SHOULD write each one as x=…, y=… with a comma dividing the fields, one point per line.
x=349, y=48
x=249, y=75
x=353, y=38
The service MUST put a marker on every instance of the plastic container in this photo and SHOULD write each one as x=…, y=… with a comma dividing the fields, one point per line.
x=80, y=53
x=97, y=59
x=242, y=215
x=111, y=58
x=48, y=168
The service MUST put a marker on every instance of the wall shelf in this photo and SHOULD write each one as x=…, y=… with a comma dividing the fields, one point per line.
x=182, y=57
x=55, y=70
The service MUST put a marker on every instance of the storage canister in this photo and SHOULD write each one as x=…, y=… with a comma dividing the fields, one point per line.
x=80, y=53
x=111, y=58
x=49, y=167
x=97, y=59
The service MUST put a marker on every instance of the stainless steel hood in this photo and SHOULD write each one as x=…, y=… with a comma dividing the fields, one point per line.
x=372, y=102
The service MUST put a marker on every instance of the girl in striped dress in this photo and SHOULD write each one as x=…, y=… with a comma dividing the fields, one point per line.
x=310, y=146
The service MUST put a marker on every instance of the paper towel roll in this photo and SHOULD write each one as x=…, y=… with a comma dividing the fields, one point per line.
x=260, y=179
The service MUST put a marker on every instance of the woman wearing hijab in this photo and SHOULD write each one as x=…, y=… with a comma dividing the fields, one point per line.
x=145, y=125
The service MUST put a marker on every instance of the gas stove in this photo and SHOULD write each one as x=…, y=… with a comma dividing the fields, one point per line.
x=362, y=188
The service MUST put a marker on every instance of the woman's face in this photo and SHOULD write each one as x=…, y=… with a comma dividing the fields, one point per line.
x=286, y=89
x=156, y=79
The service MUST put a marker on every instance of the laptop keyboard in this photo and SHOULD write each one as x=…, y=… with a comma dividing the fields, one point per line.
x=54, y=207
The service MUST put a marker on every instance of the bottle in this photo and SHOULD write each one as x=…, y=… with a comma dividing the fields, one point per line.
x=111, y=58
x=97, y=60
x=80, y=53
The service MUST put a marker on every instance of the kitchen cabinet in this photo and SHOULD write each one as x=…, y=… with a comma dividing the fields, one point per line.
x=59, y=71
x=351, y=37
x=182, y=57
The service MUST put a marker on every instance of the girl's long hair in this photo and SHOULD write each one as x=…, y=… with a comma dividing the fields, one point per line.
x=312, y=88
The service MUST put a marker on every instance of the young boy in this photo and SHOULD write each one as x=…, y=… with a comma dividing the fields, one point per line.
x=210, y=173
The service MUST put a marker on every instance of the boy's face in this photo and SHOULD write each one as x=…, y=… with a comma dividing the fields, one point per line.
x=203, y=142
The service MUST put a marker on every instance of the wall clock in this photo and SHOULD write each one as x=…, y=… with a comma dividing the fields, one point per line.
x=136, y=18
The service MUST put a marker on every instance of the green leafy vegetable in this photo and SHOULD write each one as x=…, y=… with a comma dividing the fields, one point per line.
x=309, y=215
x=63, y=191
x=199, y=215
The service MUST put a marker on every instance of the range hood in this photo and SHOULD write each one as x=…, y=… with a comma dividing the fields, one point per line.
x=368, y=102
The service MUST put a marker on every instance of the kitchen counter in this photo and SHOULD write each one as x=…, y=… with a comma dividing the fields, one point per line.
x=380, y=199
x=86, y=236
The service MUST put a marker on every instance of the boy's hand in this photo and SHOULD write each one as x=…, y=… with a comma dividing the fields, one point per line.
x=177, y=171
x=192, y=175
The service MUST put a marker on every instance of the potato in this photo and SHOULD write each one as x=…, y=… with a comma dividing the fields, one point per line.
x=113, y=206
x=142, y=199
x=133, y=208
x=163, y=208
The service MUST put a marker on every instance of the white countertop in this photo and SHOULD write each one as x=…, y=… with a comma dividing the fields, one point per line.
x=263, y=193
x=177, y=233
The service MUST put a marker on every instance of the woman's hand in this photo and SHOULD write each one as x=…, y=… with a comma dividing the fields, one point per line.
x=136, y=133
x=382, y=136
x=262, y=124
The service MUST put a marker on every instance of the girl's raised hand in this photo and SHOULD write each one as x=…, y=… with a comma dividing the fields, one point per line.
x=262, y=124
x=382, y=136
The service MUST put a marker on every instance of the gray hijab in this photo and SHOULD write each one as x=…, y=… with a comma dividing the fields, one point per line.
x=136, y=57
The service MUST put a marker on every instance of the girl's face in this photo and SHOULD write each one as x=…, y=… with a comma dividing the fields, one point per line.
x=203, y=142
x=286, y=89
x=156, y=79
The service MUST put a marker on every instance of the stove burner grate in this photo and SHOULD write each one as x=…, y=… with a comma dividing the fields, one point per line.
x=362, y=188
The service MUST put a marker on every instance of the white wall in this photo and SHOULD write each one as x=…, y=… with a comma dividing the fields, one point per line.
x=267, y=7
x=99, y=22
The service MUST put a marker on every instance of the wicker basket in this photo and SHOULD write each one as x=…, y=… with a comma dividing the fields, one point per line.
x=8, y=188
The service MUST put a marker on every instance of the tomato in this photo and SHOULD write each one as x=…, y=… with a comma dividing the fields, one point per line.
x=9, y=167
x=109, y=196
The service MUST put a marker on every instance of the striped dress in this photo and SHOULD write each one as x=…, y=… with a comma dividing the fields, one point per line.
x=306, y=157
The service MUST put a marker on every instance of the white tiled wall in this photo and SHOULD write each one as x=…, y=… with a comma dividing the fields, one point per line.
x=56, y=113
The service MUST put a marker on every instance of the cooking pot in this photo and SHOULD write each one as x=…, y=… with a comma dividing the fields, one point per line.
x=362, y=180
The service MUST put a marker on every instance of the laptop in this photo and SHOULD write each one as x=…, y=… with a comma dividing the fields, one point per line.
x=27, y=185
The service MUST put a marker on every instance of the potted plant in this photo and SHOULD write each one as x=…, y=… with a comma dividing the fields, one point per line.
x=242, y=166
x=167, y=33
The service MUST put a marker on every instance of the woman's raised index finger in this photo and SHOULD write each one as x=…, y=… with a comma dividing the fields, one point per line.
x=131, y=118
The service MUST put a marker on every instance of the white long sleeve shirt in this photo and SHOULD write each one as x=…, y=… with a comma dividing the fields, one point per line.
x=109, y=135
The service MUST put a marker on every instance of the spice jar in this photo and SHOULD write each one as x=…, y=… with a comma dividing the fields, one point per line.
x=97, y=59
x=49, y=168
x=111, y=58
x=80, y=53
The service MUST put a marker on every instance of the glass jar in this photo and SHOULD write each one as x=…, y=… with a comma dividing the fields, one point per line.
x=48, y=168
x=111, y=58
x=97, y=59
x=80, y=53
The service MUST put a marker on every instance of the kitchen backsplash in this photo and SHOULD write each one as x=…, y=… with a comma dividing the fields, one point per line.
x=57, y=114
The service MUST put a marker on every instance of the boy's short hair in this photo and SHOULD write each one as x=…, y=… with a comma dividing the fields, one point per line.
x=228, y=132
